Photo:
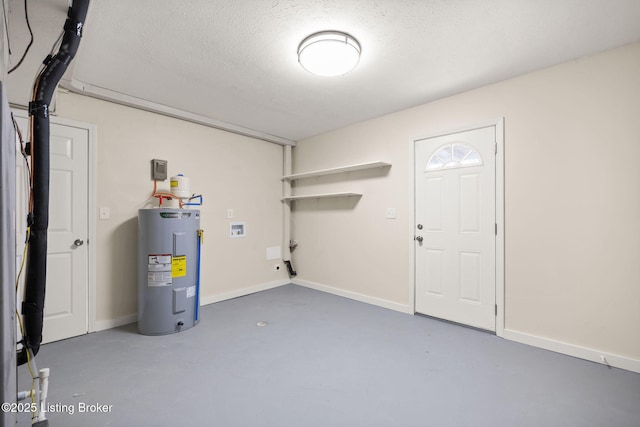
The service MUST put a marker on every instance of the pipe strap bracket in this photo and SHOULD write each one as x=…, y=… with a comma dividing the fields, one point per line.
x=74, y=26
x=39, y=109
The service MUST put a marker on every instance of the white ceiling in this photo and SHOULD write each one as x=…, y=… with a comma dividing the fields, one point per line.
x=235, y=61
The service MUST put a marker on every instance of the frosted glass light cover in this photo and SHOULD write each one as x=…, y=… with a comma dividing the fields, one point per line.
x=329, y=53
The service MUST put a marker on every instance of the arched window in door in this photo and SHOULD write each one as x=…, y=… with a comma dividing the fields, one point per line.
x=454, y=155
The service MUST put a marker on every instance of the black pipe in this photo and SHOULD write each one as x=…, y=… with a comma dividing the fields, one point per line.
x=292, y=272
x=38, y=219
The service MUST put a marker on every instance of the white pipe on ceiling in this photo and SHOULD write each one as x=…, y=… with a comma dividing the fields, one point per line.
x=77, y=86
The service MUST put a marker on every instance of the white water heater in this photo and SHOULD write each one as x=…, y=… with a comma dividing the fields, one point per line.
x=168, y=270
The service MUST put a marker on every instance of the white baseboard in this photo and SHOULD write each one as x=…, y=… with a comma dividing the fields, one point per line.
x=101, y=325
x=586, y=353
x=210, y=299
x=354, y=296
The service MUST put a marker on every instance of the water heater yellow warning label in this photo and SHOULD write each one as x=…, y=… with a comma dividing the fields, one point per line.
x=179, y=266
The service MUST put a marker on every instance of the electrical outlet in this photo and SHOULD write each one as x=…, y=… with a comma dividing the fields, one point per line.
x=391, y=213
x=229, y=213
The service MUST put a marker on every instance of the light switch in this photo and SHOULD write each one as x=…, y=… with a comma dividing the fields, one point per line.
x=105, y=213
x=391, y=213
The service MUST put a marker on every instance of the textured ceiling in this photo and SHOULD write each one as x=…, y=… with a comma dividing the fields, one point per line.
x=235, y=61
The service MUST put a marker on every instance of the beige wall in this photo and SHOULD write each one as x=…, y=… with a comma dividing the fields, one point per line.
x=572, y=200
x=230, y=171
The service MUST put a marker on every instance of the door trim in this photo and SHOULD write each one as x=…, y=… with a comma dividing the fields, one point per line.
x=499, y=258
x=92, y=162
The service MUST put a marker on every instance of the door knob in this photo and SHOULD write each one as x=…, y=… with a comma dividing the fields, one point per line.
x=79, y=242
x=419, y=239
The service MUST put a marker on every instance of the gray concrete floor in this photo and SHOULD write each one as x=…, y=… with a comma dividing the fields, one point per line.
x=323, y=360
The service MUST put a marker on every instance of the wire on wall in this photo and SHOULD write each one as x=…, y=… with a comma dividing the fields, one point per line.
x=26, y=18
x=6, y=26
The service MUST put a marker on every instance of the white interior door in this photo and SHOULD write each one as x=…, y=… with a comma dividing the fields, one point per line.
x=455, y=227
x=66, y=299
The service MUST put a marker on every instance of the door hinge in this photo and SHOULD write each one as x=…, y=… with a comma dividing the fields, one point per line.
x=496, y=309
x=496, y=228
x=495, y=148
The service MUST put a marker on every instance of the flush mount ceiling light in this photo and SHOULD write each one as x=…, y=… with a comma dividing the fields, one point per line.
x=329, y=53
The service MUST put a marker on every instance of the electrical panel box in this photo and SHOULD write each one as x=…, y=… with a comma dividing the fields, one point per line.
x=158, y=169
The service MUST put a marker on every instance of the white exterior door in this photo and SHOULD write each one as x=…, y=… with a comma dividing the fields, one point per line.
x=66, y=299
x=455, y=227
